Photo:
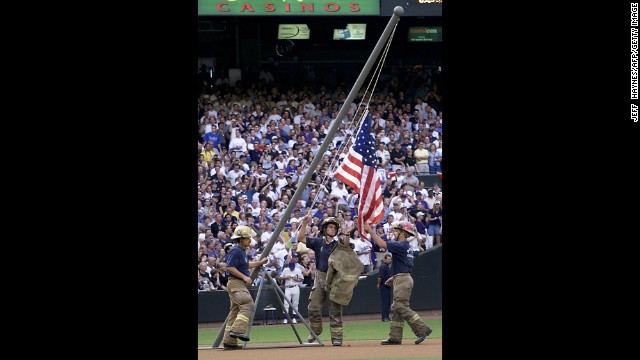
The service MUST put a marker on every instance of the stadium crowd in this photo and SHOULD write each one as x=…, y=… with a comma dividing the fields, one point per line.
x=256, y=143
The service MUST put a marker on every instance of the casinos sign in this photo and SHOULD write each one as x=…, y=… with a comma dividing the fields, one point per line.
x=289, y=7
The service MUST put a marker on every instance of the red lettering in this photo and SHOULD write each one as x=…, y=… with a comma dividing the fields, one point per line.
x=246, y=6
x=332, y=7
x=270, y=7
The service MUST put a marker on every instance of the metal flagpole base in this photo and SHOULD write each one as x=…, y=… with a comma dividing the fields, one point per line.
x=301, y=343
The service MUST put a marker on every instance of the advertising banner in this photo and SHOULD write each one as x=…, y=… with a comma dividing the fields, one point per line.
x=289, y=7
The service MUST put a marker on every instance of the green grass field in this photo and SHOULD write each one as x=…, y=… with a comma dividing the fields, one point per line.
x=372, y=330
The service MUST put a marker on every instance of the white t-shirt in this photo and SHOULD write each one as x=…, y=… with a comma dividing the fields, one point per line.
x=238, y=145
x=280, y=182
x=413, y=244
x=397, y=216
x=264, y=238
x=337, y=138
x=387, y=228
x=309, y=107
x=430, y=202
x=255, y=211
x=279, y=255
x=278, y=246
x=383, y=154
x=295, y=273
x=281, y=164
x=233, y=175
x=361, y=245
x=422, y=109
x=340, y=193
x=275, y=117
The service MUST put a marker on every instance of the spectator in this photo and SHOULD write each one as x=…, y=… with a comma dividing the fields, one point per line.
x=384, y=275
x=397, y=157
x=434, y=217
x=222, y=276
x=292, y=277
x=410, y=180
x=421, y=226
x=362, y=247
x=410, y=160
x=422, y=159
x=308, y=270
x=430, y=199
x=420, y=200
x=266, y=235
x=204, y=279
x=218, y=224
x=434, y=160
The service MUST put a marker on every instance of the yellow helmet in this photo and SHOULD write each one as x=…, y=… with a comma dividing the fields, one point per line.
x=243, y=232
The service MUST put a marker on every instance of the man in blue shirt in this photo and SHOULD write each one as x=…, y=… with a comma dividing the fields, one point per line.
x=242, y=305
x=402, y=259
x=384, y=274
x=322, y=246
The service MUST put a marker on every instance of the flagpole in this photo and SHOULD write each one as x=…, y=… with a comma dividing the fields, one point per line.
x=397, y=12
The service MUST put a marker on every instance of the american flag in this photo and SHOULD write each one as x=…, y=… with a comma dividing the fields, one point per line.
x=358, y=170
